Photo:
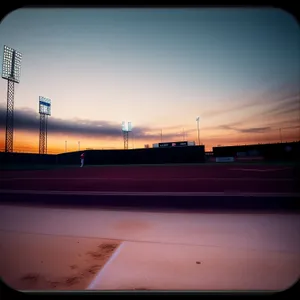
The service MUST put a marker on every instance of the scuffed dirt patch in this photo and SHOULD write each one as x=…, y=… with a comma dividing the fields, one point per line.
x=46, y=262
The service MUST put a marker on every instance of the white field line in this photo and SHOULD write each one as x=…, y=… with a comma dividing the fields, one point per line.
x=98, y=277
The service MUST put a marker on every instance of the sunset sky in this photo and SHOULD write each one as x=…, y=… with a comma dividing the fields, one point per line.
x=238, y=69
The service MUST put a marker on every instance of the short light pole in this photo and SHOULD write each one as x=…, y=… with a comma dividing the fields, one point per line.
x=198, y=129
x=132, y=135
x=280, y=135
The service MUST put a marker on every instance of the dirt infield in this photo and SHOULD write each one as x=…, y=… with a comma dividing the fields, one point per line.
x=214, y=178
x=239, y=247
x=49, y=262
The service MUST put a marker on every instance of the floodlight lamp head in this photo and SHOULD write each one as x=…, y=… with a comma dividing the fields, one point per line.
x=126, y=126
x=44, y=106
x=11, y=65
x=129, y=126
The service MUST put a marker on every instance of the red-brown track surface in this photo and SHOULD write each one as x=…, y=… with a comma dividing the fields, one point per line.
x=213, y=178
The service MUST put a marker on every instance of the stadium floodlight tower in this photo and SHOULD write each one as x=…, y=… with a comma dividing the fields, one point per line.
x=126, y=128
x=11, y=69
x=45, y=111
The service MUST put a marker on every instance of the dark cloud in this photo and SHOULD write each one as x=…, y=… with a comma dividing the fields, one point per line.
x=246, y=130
x=282, y=107
x=286, y=106
x=254, y=130
x=228, y=126
x=28, y=120
x=237, y=126
x=281, y=96
x=291, y=122
x=291, y=127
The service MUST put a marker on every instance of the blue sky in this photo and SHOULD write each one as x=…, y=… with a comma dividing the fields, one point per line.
x=158, y=68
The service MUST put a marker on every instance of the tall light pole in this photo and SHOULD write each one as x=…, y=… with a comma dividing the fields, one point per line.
x=11, y=68
x=198, y=129
x=126, y=128
x=45, y=112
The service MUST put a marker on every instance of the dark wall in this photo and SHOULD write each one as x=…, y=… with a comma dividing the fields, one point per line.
x=27, y=158
x=279, y=151
x=191, y=154
x=68, y=158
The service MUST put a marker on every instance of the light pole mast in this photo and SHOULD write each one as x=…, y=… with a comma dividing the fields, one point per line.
x=198, y=129
x=11, y=67
x=280, y=135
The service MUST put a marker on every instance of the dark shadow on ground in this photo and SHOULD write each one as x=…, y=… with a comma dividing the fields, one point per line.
x=159, y=203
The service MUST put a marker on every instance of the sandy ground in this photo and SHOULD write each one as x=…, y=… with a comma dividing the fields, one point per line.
x=274, y=232
x=158, y=266
x=43, y=248
x=49, y=262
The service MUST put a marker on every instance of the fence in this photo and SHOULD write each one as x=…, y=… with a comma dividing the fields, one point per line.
x=136, y=156
x=27, y=158
x=193, y=154
x=269, y=152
